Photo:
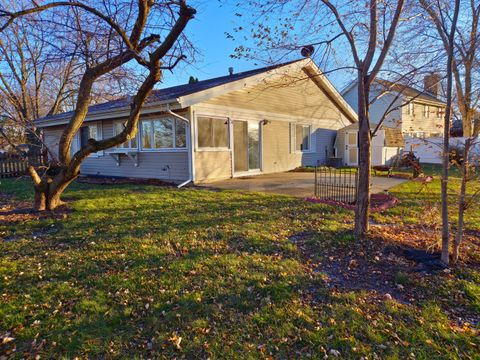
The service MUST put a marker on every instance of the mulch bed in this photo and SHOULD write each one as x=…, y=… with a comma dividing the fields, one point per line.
x=378, y=202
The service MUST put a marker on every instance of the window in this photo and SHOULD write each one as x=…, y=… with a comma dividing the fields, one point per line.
x=302, y=137
x=165, y=133
x=129, y=144
x=420, y=134
x=426, y=111
x=90, y=131
x=411, y=108
x=440, y=112
x=212, y=133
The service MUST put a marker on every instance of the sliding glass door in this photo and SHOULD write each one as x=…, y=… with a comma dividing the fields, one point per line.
x=246, y=146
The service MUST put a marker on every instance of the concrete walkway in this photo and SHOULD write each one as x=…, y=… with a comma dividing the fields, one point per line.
x=299, y=184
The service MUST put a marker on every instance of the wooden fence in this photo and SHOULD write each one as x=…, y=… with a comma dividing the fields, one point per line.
x=12, y=165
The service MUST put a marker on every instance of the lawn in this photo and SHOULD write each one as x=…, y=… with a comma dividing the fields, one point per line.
x=145, y=271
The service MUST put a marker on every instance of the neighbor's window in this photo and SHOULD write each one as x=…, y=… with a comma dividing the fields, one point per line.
x=302, y=137
x=165, y=133
x=440, y=112
x=411, y=109
x=426, y=111
x=118, y=127
x=212, y=132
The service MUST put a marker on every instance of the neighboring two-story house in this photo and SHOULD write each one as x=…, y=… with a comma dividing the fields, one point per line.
x=405, y=114
x=417, y=113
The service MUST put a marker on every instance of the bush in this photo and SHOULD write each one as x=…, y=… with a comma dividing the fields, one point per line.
x=456, y=155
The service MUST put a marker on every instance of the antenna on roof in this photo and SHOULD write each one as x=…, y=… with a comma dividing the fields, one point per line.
x=307, y=50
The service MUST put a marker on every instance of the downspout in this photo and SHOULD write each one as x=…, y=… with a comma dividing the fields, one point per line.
x=189, y=180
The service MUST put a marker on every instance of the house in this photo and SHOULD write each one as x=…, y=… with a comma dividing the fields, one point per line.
x=266, y=120
x=387, y=144
x=416, y=113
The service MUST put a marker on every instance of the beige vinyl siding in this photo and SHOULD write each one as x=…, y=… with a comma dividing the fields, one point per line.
x=213, y=165
x=295, y=95
x=276, y=148
x=419, y=123
x=277, y=152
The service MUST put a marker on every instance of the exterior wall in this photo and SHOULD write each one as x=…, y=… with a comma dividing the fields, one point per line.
x=419, y=123
x=399, y=118
x=51, y=138
x=381, y=155
x=213, y=165
x=164, y=165
x=378, y=107
x=277, y=150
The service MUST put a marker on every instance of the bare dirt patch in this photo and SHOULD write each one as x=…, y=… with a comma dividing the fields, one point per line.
x=14, y=211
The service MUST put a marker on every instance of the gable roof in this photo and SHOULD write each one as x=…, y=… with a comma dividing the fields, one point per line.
x=182, y=96
x=406, y=90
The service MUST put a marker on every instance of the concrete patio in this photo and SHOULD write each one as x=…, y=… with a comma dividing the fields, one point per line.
x=298, y=184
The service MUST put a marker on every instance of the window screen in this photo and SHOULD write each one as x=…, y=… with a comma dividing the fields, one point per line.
x=212, y=133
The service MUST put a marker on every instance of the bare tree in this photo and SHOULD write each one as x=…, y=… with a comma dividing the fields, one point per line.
x=364, y=33
x=112, y=34
x=460, y=43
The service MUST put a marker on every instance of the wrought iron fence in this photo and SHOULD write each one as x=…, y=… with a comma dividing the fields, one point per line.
x=336, y=184
x=12, y=165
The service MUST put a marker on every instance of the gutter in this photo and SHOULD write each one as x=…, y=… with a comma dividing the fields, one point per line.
x=190, y=179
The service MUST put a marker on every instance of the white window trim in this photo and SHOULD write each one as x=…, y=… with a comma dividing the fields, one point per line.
x=161, y=150
x=76, y=139
x=411, y=108
x=426, y=111
x=310, y=145
x=213, y=149
x=124, y=149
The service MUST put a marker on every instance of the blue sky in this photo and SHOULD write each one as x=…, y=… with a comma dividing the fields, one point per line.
x=207, y=32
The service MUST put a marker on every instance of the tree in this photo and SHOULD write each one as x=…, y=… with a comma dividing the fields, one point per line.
x=364, y=30
x=112, y=34
x=460, y=44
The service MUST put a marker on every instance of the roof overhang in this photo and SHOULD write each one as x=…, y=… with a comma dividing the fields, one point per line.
x=121, y=112
x=305, y=65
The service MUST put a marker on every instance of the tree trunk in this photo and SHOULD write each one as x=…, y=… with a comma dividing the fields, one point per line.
x=362, y=210
x=462, y=202
x=48, y=193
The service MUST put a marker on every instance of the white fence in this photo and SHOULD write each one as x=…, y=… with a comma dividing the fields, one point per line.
x=430, y=150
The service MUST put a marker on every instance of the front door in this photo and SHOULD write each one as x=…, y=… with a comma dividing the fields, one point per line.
x=246, y=146
x=351, y=148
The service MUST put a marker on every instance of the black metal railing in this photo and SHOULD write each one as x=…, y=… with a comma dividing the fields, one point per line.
x=336, y=184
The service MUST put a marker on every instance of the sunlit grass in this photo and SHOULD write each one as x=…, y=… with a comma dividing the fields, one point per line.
x=144, y=271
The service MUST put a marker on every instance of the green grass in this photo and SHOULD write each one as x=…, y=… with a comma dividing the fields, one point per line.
x=134, y=269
